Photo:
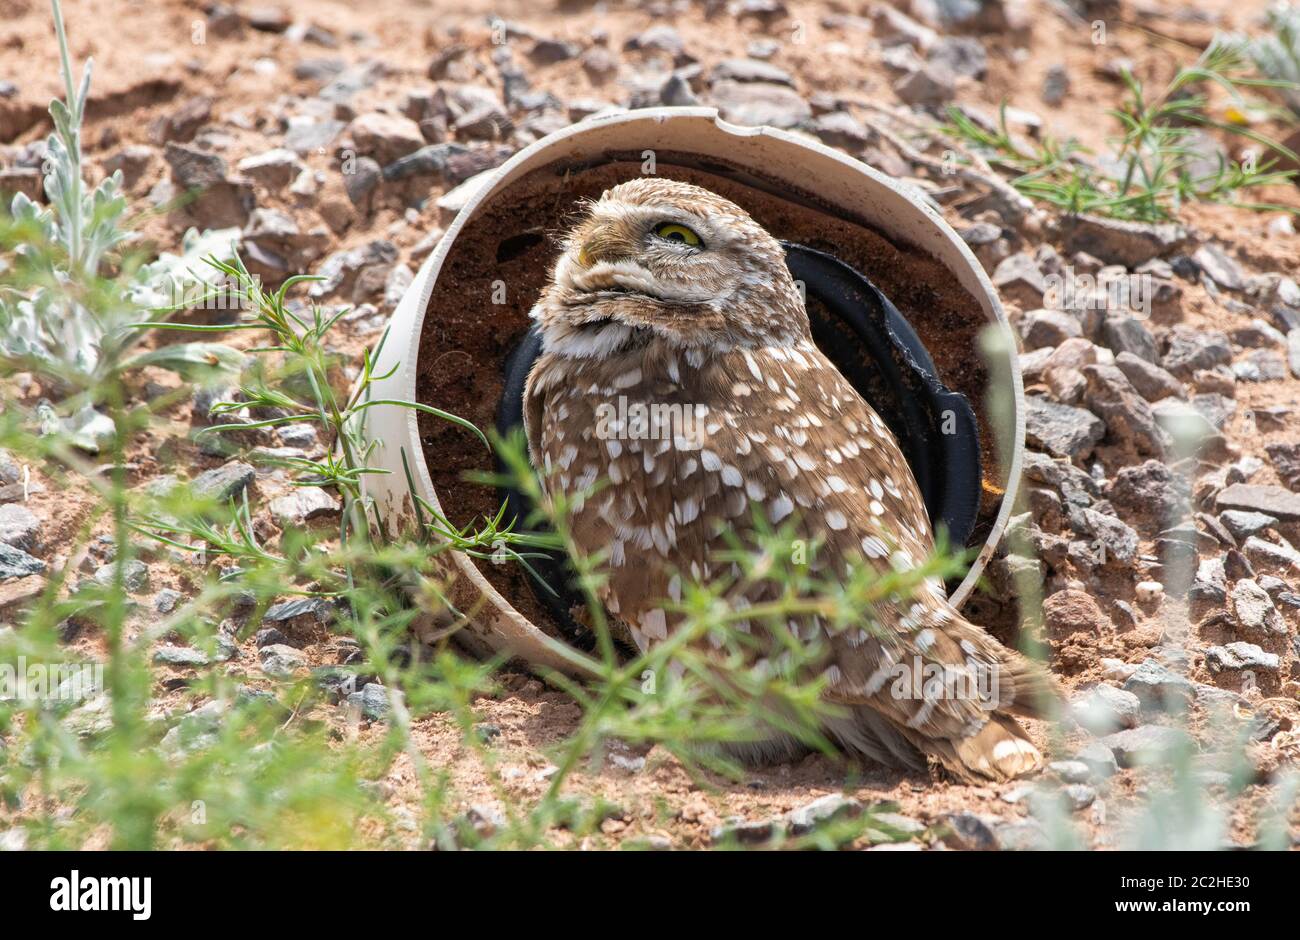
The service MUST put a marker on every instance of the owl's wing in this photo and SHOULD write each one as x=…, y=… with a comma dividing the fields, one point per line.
x=782, y=435
x=534, y=409
x=798, y=442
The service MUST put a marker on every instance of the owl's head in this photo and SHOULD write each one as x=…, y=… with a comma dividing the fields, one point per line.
x=656, y=258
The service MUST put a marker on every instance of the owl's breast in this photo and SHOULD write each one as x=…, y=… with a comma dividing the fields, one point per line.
x=667, y=460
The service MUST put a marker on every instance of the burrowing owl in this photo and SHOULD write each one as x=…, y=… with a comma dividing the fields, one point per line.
x=667, y=294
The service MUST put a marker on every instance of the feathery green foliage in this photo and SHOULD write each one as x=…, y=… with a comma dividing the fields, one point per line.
x=1154, y=166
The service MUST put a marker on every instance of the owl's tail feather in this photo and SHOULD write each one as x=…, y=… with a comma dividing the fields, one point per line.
x=1024, y=686
x=1031, y=690
x=999, y=751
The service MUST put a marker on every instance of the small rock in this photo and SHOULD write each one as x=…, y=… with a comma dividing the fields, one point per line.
x=270, y=636
x=135, y=575
x=1026, y=835
x=754, y=103
x=1061, y=369
x=132, y=162
x=599, y=63
x=1234, y=657
x=1135, y=747
x=1062, y=430
x=1254, y=608
x=10, y=471
x=385, y=137
x=1271, y=555
x=1071, y=771
x=841, y=129
x=894, y=27
x=749, y=70
x=165, y=601
x=183, y=123
x=307, y=134
x=1127, y=415
x=485, y=819
x=1048, y=328
x=969, y=832
x=301, y=606
x=1071, y=611
x=16, y=563
x=1242, y=524
x=677, y=93
x=302, y=504
x=1286, y=461
x=1219, y=267
x=1056, y=85
x=281, y=660
x=1115, y=538
x=1262, y=365
x=275, y=169
x=820, y=811
x=1019, y=277
x=552, y=51
x=194, y=168
x=963, y=56
x=299, y=434
x=224, y=482
x=1158, y=688
x=1099, y=759
x=1189, y=350
x=1270, y=500
x=19, y=527
x=1150, y=488
x=432, y=160
x=269, y=19
x=179, y=656
x=1116, y=670
x=371, y=701
x=1152, y=381
x=361, y=182
x=1183, y=422
x=744, y=832
x=1105, y=709
x=1121, y=333
x=1236, y=566
x=1148, y=592
x=931, y=85
x=661, y=38
x=1116, y=241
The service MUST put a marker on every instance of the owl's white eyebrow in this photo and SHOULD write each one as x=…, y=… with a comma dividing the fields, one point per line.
x=657, y=215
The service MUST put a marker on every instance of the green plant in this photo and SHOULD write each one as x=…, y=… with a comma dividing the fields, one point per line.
x=1153, y=167
x=258, y=763
x=65, y=311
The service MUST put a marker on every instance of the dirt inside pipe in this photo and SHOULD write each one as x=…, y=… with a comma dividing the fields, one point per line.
x=478, y=312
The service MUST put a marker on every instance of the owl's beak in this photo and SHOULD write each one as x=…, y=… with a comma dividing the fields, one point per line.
x=602, y=239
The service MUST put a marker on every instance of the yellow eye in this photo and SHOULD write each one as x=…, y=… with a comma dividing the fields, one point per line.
x=671, y=231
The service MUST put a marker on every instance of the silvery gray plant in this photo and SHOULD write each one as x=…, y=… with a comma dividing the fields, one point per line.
x=61, y=316
x=1277, y=54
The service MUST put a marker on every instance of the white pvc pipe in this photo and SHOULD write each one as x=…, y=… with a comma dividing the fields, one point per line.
x=851, y=187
